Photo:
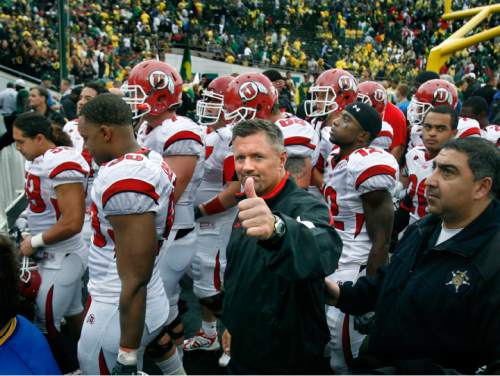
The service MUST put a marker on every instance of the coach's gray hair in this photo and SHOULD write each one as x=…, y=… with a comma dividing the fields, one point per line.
x=250, y=127
x=483, y=158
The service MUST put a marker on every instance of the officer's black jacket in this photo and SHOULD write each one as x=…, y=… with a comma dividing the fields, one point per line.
x=436, y=302
x=274, y=293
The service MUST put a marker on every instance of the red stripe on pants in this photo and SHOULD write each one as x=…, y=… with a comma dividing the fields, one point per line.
x=217, y=281
x=346, y=340
x=103, y=368
x=49, y=315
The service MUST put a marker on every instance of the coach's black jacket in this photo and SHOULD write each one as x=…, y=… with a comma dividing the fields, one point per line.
x=438, y=303
x=274, y=304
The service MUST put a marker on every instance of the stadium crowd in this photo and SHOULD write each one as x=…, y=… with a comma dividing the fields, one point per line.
x=233, y=202
x=348, y=224
x=389, y=39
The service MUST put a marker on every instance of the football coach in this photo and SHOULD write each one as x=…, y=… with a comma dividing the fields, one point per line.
x=281, y=248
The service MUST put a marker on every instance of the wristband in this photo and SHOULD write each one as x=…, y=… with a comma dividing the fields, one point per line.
x=127, y=357
x=213, y=206
x=37, y=241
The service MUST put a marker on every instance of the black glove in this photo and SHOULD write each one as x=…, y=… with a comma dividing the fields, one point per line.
x=197, y=213
x=364, y=323
x=120, y=369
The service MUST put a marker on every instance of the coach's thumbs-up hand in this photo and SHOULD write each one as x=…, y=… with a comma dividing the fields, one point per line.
x=255, y=216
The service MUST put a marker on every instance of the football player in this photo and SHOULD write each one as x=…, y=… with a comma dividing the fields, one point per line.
x=215, y=212
x=89, y=91
x=439, y=127
x=55, y=187
x=374, y=94
x=476, y=108
x=333, y=90
x=154, y=92
x=358, y=185
x=432, y=93
x=252, y=95
x=132, y=214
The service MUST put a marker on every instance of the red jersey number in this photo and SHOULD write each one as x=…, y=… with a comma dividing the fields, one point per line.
x=419, y=190
x=98, y=239
x=33, y=191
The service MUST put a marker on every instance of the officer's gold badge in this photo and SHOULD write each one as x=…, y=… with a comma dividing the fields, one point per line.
x=459, y=279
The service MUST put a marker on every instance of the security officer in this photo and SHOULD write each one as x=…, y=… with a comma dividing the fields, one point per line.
x=280, y=250
x=438, y=302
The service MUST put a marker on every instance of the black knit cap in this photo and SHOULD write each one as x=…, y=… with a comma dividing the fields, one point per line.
x=367, y=117
x=273, y=75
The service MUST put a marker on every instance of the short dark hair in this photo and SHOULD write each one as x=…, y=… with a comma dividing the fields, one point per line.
x=107, y=109
x=42, y=91
x=250, y=127
x=94, y=85
x=425, y=76
x=10, y=85
x=9, y=280
x=477, y=104
x=273, y=75
x=33, y=123
x=446, y=110
x=483, y=158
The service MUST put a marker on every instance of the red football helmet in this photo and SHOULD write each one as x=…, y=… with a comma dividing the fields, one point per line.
x=333, y=91
x=432, y=93
x=248, y=96
x=373, y=94
x=209, y=108
x=29, y=279
x=152, y=87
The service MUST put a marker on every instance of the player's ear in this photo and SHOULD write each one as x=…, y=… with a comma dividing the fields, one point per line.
x=364, y=138
x=106, y=132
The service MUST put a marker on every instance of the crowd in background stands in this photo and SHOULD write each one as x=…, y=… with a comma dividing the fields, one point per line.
x=388, y=39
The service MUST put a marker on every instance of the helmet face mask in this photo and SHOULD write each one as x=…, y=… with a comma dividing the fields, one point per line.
x=322, y=101
x=153, y=87
x=240, y=114
x=29, y=279
x=249, y=96
x=363, y=98
x=209, y=108
x=135, y=97
x=417, y=111
x=431, y=93
x=333, y=91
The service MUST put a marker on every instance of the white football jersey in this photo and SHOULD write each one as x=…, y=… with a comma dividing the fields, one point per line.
x=492, y=133
x=219, y=165
x=132, y=184
x=384, y=138
x=325, y=146
x=57, y=166
x=466, y=128
x=300, y=137
x=419, y=168
x=178, y=135
x=71, y=128
x=346, y=179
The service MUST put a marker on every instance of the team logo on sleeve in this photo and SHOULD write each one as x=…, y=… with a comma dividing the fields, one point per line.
x=249, y=90
x=347, y=83
x=160, y=80
x=442, y=96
